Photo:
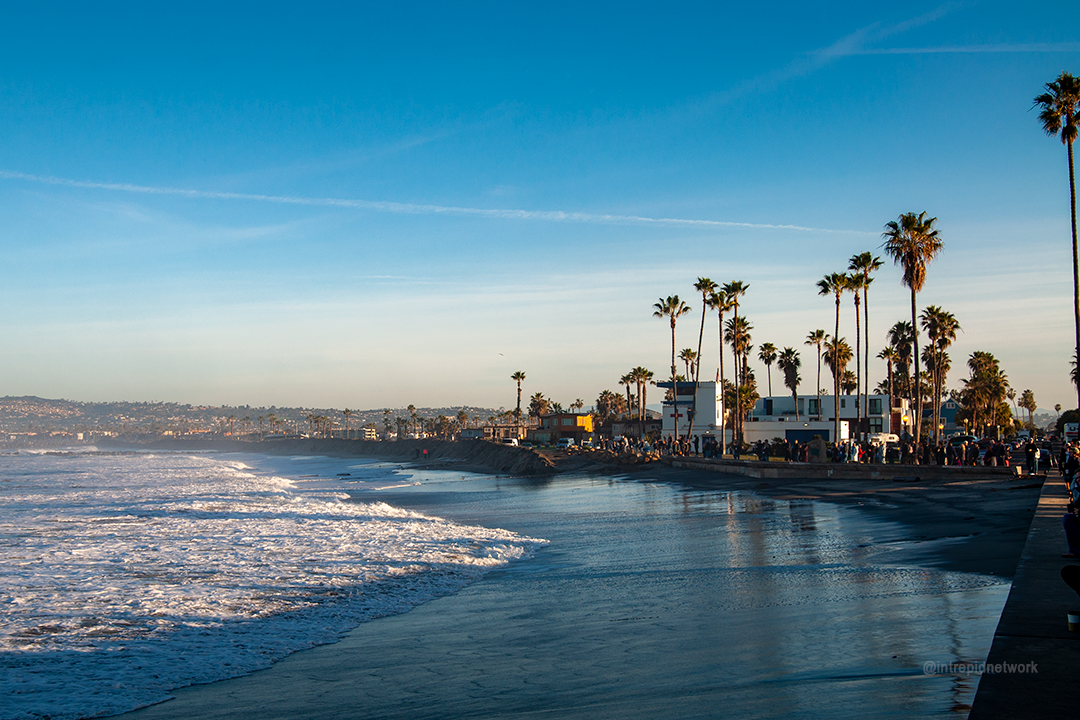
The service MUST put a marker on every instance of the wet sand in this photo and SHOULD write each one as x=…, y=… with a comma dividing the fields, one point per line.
x=675, y=594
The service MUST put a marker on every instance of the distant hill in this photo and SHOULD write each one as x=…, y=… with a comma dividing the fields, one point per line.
x=35, y=414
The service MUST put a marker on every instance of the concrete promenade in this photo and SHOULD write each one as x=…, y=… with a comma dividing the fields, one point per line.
x=1033, y=627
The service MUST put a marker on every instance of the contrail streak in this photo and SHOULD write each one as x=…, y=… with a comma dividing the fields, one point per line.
x=414, y=209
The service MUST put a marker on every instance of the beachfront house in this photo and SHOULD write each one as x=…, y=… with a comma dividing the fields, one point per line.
x=556, y=426
x=775, y=417
x=707, y=412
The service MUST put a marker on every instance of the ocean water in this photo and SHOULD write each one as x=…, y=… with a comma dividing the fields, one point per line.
x=126, y=575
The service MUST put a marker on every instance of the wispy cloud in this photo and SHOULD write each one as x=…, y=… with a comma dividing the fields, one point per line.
x=416, y=209
x=855, y=43
x=999, y=48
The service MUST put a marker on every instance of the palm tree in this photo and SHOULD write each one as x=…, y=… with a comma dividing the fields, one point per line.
x=673, y=308
x=986, y=388
x=347, y=413
x=738, y=332
x=837, y=355
x=767, y=355
x=689, y=358
x=940, y=327
x=834, y=284
x=900, y=337
x=855, y=285
x=518, y=377
x=817, y=338
x=888, y=354
x=849, y=383
x=1060, y=108
x=646, y=380
x=863, y=264
x=733, y=291
x=539, y=405
x=706, y=287
x=628, y=380
x=913, y=242
x=641, y=376
x=719, y=301
x=789, y=363
x=1027, y=401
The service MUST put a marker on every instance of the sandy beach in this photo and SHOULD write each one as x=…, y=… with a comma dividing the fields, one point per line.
x=670, y=593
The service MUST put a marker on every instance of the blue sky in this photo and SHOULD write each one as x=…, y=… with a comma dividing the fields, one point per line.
x=354, y=205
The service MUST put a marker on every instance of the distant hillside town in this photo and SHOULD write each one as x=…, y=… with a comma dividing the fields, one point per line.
x=33, y=421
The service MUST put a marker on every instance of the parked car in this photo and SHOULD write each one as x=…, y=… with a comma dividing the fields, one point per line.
x=509, y=441
x=565, y=443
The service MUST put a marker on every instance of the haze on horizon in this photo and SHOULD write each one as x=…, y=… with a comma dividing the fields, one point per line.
x=361, y=206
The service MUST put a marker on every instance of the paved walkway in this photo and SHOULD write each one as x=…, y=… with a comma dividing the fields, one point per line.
x=1033, y=628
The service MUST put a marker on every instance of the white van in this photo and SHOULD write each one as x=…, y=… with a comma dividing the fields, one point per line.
x=508, y=441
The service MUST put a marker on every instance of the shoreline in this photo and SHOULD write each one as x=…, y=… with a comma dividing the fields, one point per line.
x=976, y=518
x=647, y=572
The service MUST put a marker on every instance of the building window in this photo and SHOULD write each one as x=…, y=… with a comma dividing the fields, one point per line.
x=843, y=402
x=768, y=406
x=568, y=421
x=875, y=406
x=813, y=405
x=876, y=425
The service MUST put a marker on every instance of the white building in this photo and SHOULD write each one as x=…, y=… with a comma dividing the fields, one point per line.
x=707, y=413
x=877, y=417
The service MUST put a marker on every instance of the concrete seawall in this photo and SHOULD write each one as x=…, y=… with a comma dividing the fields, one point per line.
x=839, y=471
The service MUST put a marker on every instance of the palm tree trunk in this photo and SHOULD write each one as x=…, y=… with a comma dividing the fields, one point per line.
x=858, y=376
x=891, y=401
x=697, y=370
x=674, y=385
x=836, y=374
x=723, y=410
x=818, y=388
x=866, y=348
x=916, y=380
x=1076, y=271
x=738, y=383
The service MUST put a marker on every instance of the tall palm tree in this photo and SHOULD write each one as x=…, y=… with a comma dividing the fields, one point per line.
x=735, y=290
x=863, y=264
x=518, y=377
x=628, y=380
x=719, y=301
x=706, y=287
x=767, y=355
x=855, y=285
x=940, y=327
x=817, y=338
x=1060, y=109
x=789, y=362
x=900, y=337
x=641, y=377
x=913, y=242
x=672, y=308
x=834, y=284
x=738, y=335
x=347, y=413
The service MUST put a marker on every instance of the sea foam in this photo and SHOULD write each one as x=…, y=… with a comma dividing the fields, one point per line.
x=127, y=575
